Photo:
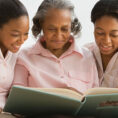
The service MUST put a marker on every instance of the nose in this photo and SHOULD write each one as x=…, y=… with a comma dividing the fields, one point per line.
x=59, y=35
x=21, y=39
x=107, y=39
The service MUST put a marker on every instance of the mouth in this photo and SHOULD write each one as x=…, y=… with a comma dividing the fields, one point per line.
x=16, y=47
x=58, y=42
x=105, y=48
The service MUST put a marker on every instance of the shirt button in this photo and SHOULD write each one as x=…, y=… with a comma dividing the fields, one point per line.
x=3, y=77
x=62, y=76
x=4, y=64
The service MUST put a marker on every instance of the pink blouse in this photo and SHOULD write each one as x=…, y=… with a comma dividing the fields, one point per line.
x=38, y=67
x=109, y=77
x=6, y=75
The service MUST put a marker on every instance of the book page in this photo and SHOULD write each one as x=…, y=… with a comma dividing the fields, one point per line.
x=101, y=90
x=63, y=92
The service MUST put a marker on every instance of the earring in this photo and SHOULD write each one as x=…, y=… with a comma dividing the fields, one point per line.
x=71, y=39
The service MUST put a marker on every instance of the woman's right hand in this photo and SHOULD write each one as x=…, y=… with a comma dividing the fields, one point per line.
x=18, y=115
x=0, y=110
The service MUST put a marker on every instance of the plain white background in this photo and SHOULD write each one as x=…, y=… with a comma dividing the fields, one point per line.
x=82, y=10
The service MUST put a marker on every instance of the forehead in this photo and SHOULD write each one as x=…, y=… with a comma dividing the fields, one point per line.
x=58, y=16
x=20, y=22
x=107, y=22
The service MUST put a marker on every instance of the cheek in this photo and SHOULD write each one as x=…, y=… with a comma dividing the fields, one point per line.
x=67, y=36
x=98, y=39
x=115, y=42
x=9, y=42
x=98, y=42
x=96, y=36
x=47, y=35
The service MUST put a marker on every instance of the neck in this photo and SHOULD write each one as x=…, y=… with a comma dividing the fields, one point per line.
x=60, y=51
x=57, y=52
x=4, y=50
x=105, y=60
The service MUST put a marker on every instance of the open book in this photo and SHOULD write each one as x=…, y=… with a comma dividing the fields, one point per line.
x=37, y=101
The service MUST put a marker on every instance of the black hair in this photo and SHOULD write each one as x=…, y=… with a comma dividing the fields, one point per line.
x=104, y=7
x=11, y=9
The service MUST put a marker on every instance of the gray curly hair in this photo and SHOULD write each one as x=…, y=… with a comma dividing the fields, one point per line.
x=58, y=4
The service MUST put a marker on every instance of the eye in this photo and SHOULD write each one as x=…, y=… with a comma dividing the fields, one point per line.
x=52, y=29
x=65, y=29
x=15, y=35
x=100, y=33
x=114, y=35
x=26, y=34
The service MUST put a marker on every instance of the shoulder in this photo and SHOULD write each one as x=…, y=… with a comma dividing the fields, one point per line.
x=91, y=46
x=85, y=52
x=87, y=56
x=25, y=53
x=12, y=57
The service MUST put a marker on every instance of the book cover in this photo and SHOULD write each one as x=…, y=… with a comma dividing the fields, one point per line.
x=101, y=102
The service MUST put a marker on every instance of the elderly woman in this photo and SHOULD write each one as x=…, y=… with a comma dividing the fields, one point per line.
x=55, y=61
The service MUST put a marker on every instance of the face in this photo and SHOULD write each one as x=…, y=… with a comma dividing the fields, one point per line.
x=14, y=33
x=56, y=28
x=106, y=35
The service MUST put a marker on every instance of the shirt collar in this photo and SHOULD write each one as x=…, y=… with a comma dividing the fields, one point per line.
x=97, y=55
x=39, y=49
x=7, y=55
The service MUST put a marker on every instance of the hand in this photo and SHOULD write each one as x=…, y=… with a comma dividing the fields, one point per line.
x=0, y=110
x=18, y=115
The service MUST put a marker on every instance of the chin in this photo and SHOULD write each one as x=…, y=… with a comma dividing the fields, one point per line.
x=107, y=53
x=14, y=51
x=58, y=47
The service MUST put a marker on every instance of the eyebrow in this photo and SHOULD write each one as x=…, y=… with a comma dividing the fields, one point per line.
x=15, y=31
x=55, y=26
x=98, y=28
x=114, y=30
x=103, y=29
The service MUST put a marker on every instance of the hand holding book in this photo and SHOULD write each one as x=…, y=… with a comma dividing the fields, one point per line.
x=0, y=110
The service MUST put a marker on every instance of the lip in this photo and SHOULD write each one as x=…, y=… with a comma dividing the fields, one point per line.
x=58, y=42
x=105, y=48
x=16, y=47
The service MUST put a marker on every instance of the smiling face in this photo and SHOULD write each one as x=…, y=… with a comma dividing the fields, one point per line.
x=106, y=35
x=14, y=33
x=56, y=28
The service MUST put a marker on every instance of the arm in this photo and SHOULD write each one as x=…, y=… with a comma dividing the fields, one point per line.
x=2, y=100
x=0, y=110
x=91, y=47
x=95, y=75
x=20, y=75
